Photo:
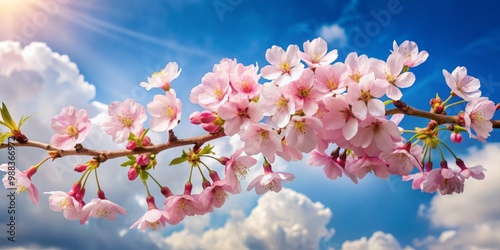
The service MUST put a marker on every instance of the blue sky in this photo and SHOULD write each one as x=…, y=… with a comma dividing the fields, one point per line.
x=117, y=44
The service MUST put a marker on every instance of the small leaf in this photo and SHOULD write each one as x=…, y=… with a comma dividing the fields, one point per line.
x=3, y=137
x=128, y=163
x=178, y=160
x=144, y=175
x=144, y=134
x=7, y=119
x=207, y=150
x=131, y=157
x=131, y=137
x=23, y=119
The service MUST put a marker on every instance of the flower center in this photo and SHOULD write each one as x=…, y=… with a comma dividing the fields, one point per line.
x=281, y=103
x=355, y=77
x=72, y=131
x=300, y=127
x=365, y=96
x=332, y=84
x=101, y=213
x=170, y=112
x=154, y=225
x=125, y=119
x=285, y=67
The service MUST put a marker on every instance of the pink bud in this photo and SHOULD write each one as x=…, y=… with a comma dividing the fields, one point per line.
x=142, y=160
x=79, y=196
x=207, y=116
x=150, y=200
x=80, y=168
x=210, y=127
x=194, y=118
x=131, y=145
x=146, y=141
x=132, y=173
x=456, y=137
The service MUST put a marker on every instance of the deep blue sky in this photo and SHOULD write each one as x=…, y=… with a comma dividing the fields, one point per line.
x=117, y=44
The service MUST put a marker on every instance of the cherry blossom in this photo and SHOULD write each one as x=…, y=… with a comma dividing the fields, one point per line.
x=409, y=50
x=153, y=218
x=178, y=206
x=301, y=132
x=71, y=127
x=261, y=138
x=445, y=180
x=212, y=92
x=22, y=182
x=478, y=113
x=476, y=172
x=163, y=78
x=245, y=81
x=467, y=87
x=390, y=73
x=376, y=135
x=124, y=118
x=165, y=111
x=331, y=79
x=277, y=104
x=315, y=53
x=341, y=117
x=238, y=112
x=303, y=93
x=63, y=202
x=404, y=157
x=269, y=181
x=236, y=167
x=363, y=165
x=285, y=66
x=101, y=208
x=357, y=66
x=331, y=167
x=363, y=97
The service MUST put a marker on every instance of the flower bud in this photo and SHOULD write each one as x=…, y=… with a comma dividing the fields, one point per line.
x=146, y=141
x=142, y=160
x=207, y=116
x=456, y=137
x=79, y=196
x=81, y=168
x=30, y=171
x=75, y=189
x=131, y=145
x=194, y=118
x=214, y=176
x=210, y=127
x=132, y=173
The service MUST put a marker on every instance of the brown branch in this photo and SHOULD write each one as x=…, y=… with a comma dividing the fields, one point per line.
x=103, y=155
x=403, y=108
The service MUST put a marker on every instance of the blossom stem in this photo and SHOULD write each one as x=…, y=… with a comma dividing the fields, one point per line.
x=147, y=188
x=449, y=149
x=448, y=99
x=441, y=151
x=97, y=180
x=154, y=179
x=456, y=103
x=209, y=156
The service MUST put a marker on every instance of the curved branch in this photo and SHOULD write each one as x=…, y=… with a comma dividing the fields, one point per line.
x=103, y=155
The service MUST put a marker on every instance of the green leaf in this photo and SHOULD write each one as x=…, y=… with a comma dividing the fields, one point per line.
x=144, y=134
x=131, y=137
x=178, y=160
x=23, y=119
x=131, y=157
x=3, y=137
x=207, y=150
x=7, y=119
x=128, y=163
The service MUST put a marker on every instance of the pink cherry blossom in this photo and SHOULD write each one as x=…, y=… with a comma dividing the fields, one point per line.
x=214, y=195
x=163, y=78
x=236, y=167
x=301, y=132
x=238, y=112
x=409, y=50
x=476, y=172
x=22, y=182
x=315, y=53
x=376, y=135
x=178, y=206
x=285, y=66
x=245, y=81
x=363, y=165
x=404, y=157
x=303, y=93
x=225, y=66
x=101, y=208
x=478, y=115
x=213, y=91
x=390, y=73
x=153, y=218
x=277, y=104
x=68, y=204
x=165, y=111
x=331, y=168
x=288, y=152
x=445, y=180
x=124, y=118
x=340, y=117
x=357, y=66
x=261, y=138
x=363, y=97
x=467, y=87
x=269, y=181
x=417, y=178
x=331, y=79
x=71, y=127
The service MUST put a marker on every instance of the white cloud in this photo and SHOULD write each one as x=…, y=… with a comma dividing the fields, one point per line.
x=334, y=34
x=379, y=240
x=284, y=220
x=473, y=216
